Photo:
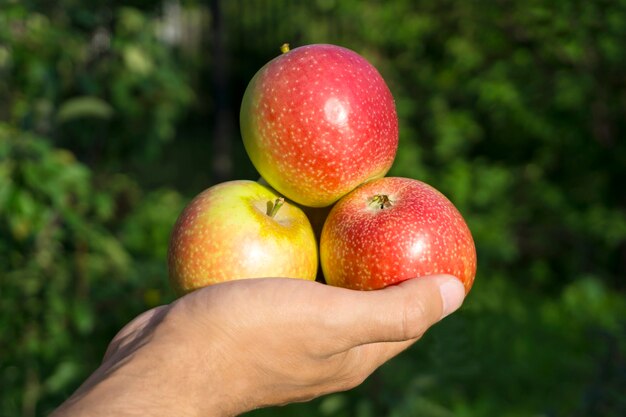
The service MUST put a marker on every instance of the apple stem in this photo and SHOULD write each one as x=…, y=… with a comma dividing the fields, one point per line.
x=381, y=200
x=273, y=209
x=284, y=48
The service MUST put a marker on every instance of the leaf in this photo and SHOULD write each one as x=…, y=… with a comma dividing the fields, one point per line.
x=331, y=404
x=137, y=60
x=64, y=374
x=84, y=107
x=83, y=317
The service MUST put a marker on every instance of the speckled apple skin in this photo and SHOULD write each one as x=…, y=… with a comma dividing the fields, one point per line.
x=317, y=122
x=225, y=234
x=365, y=247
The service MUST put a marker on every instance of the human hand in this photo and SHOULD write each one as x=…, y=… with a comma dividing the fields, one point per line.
x=236, y=346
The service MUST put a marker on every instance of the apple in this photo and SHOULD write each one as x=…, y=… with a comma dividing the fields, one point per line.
x=393, y=229
x=317, y=217
x=240, y=229
x=318, y=121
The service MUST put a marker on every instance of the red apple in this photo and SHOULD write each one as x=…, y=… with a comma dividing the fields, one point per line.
x=240, y=229
x=392, y=229
x=318, y=121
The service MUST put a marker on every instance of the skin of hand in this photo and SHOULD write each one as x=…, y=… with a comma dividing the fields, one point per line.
x=233, y=347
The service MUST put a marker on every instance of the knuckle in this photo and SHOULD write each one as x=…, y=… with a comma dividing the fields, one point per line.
x=414, y=321
x=351, y=380
x=353, y=370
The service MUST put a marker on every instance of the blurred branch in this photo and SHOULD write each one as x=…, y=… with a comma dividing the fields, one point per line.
x=222, y=131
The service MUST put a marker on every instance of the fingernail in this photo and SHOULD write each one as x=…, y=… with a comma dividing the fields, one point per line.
x=452, y=294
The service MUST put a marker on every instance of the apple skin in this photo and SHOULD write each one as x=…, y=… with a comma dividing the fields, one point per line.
x=418, y=232
x=318, y=121
x=225, y=234
x=316, y=215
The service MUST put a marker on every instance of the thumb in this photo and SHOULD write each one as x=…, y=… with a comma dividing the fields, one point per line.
x=401, y=312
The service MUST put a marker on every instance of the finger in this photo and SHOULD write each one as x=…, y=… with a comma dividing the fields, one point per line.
x=397, y=313
x=124, y=336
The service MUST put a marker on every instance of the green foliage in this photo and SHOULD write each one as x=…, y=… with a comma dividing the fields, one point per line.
x=514, y=111
x=68, y=255
x=50, y=253
x=113, y=94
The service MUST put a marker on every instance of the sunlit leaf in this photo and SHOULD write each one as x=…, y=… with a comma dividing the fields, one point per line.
x=84, y=107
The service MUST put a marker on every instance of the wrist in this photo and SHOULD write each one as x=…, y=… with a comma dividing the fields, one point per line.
x=165, y=373
x=199, y=373
x=128, y=387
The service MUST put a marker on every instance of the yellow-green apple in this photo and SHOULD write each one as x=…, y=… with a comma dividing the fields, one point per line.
x=317, y=121
x=393, y=229
x=240, y=229
x=317, y=217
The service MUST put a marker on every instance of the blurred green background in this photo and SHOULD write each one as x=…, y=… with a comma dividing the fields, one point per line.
x=115, y=114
